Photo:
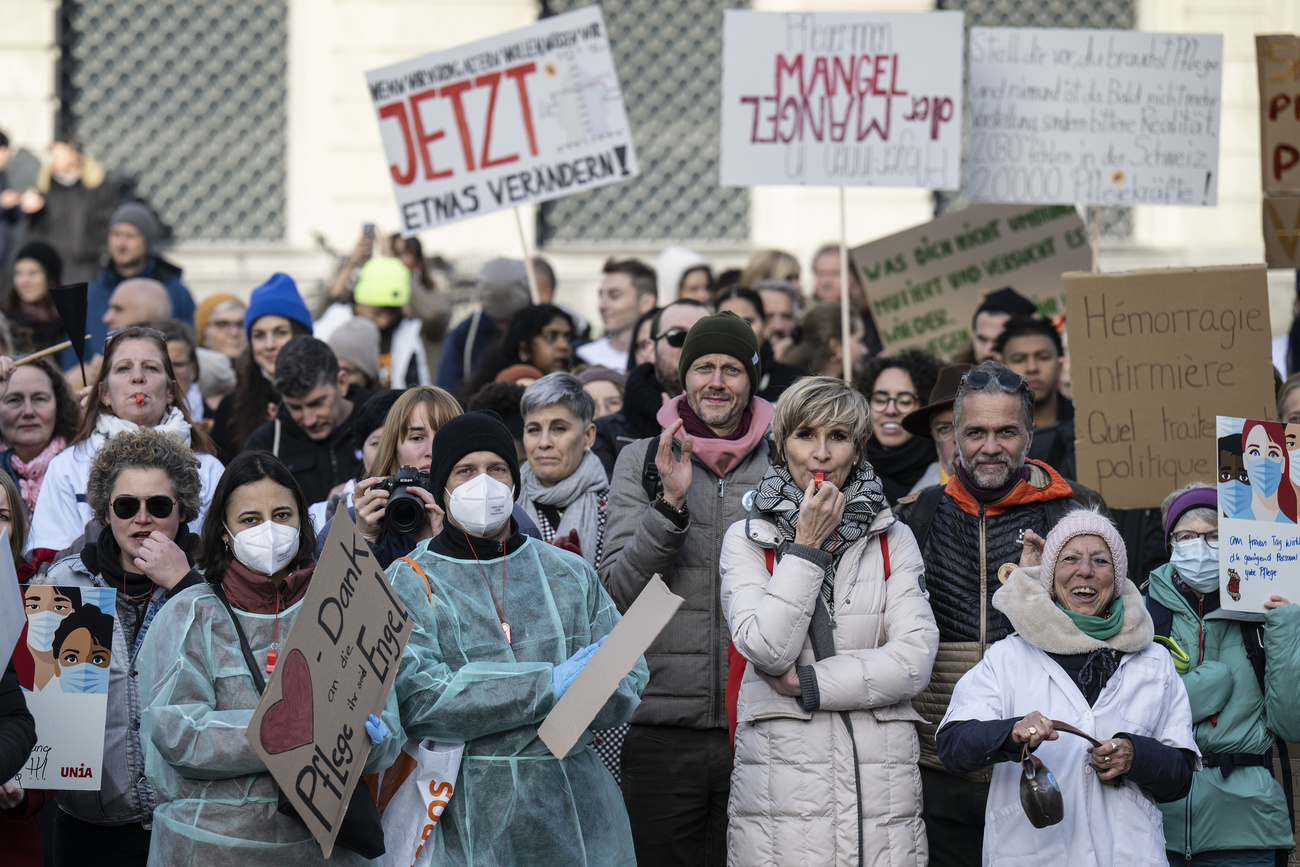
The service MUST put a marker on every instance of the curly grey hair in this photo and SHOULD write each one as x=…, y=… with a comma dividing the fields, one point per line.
x=146, y=449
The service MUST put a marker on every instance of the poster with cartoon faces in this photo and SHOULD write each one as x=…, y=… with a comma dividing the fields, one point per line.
x=63, y=658
x=1259, y=488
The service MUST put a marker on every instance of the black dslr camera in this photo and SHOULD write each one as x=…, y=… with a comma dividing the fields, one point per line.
x=405, y=511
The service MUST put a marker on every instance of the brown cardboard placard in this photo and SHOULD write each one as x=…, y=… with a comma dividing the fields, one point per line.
x=335, y=669
x=1281, y=230
x=626, y=642
x=925, y=283
x=1277, y=59
x=1155, y=356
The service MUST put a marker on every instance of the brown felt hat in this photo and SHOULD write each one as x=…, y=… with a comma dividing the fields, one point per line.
x=942, y=396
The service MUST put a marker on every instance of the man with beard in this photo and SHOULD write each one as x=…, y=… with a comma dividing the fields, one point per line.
x=972, y=532
x=676, y=761
x=649, y=385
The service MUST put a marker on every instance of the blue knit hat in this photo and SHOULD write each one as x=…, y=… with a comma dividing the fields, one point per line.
x=277, y=297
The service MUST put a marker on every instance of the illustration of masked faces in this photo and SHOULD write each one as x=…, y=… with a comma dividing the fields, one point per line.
x=1234, y=486
x=1292, y=432
x=1264, y=461
x=82, y=664
x=46, y=607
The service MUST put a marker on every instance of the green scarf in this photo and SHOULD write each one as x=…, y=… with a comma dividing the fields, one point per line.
x=1100, y=628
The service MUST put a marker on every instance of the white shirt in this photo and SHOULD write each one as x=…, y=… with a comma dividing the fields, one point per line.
x=601, y=353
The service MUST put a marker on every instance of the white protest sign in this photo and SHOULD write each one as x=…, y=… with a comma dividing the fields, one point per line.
x=1259, y=540
x=1094, y=117
x=63, y=666
x=842, y=99
x=528, y=116
x=13, y=614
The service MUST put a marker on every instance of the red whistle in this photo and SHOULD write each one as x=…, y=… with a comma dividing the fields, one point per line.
x=818, y=478
x=271, y=656
x=139, y=400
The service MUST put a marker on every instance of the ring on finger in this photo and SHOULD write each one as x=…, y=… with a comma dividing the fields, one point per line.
x=1107, y=760
x=1033, y=731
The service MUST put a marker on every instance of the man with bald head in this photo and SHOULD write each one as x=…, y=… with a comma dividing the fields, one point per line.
x=135, y=301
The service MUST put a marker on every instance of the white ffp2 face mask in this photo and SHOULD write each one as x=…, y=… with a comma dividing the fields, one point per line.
x=266, y=548
x=482, y=505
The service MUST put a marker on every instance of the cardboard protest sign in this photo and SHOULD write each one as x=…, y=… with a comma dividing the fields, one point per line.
x=1278, y=59
x=626, y=642
x=1094, y=117
x=1282, y=231
x=334, y=670
x=842, y=99
x=1155, y=356
x=528, y=116
x=925, y=283
x=1258, y=465
x=63, y=661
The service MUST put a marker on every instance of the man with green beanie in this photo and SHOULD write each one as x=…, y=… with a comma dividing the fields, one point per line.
x=672, y=499
x=383, y=289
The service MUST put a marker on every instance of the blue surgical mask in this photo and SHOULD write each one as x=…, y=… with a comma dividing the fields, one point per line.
x=84, y=677
x=1265, y=475
x=1197, y=564
x=1234, y=496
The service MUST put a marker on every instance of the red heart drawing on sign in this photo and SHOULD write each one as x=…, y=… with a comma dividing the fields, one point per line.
x=288, y=723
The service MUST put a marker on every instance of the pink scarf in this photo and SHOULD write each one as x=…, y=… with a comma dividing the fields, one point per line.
x=31, y=473
x=721, y=455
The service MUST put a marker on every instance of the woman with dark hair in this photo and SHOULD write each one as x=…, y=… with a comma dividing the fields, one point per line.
x=38, y=418
x=30, y=309
x=540, y=335
x=895, y=385
x=143, y=487
x=818, y=342
x=276, y=314
x=136, y=388
x=774, y=376
x=217, y=802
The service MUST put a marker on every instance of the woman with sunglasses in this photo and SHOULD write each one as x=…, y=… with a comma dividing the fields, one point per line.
x=136, y=389
x=894, y=384
x=142, y=488
x=216, y=800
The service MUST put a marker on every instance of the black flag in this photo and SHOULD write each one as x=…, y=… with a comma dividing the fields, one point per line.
x=71, y=303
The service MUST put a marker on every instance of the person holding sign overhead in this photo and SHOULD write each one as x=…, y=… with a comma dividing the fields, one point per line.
x=217, y=802
x=502, y=625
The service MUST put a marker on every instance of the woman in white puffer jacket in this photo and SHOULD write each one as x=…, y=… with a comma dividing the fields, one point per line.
x=823, y=594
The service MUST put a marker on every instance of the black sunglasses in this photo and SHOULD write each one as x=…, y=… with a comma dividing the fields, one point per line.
x=127, y=508
x=676, y=337
x=978, y=379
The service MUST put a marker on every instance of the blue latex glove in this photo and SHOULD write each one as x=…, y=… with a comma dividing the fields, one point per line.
x=563, y=675
x=376, y=729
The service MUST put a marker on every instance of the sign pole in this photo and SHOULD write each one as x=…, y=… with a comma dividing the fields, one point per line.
x=846, y=331
x=528, y=260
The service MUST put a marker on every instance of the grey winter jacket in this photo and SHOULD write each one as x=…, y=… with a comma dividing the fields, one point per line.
x=688, y=661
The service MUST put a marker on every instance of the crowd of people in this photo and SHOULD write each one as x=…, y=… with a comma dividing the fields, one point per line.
x=899, y=606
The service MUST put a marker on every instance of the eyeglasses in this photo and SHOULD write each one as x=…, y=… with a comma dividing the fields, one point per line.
x=1211, y=538
x=127, y=508
x=675, y=337
x=905, y=401
x=1012, y=382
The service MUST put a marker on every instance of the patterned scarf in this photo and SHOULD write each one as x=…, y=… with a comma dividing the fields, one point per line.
x=31, y=473
x=778, y=499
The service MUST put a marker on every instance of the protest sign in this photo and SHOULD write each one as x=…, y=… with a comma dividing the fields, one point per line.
x=623, y=647
x=1278, y=59
x=925, y=283
x=841, y=99
x=1282, y=231
x=63, y=661
x=1155, y=356
x=13, y=614
x=333, y=671
x=1094, y=117
x=1258, y=465
x=528, y=116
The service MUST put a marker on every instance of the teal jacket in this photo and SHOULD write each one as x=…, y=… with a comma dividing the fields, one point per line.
x=1247, y=809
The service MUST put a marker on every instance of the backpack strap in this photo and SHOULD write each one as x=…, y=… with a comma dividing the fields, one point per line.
x=884, y=552
x=1161, y=617
x=1252, y=635
x=418, y=571
x=650, y=471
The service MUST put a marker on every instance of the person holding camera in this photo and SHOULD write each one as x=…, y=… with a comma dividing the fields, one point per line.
x=394, y=508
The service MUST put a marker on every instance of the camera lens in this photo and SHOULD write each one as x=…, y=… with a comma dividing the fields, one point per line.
x=404, y=512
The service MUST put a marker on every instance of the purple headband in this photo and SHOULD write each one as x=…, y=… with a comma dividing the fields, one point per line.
x=1208, y=497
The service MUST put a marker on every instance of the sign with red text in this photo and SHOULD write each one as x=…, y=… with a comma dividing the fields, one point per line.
x=1155, y=357
x=1278, y=59
x=528, y=116
x=842, y=99
x=925, y=283
x=1094, y=117
x=333, y=671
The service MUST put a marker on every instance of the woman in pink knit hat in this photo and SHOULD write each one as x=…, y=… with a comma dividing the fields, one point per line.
x=1082, y=653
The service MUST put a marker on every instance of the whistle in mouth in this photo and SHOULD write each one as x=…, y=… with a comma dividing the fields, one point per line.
x=818, y=478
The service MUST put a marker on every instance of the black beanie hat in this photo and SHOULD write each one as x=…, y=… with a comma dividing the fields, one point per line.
x=47, y=257
x=727, y=333
x=480, y=431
